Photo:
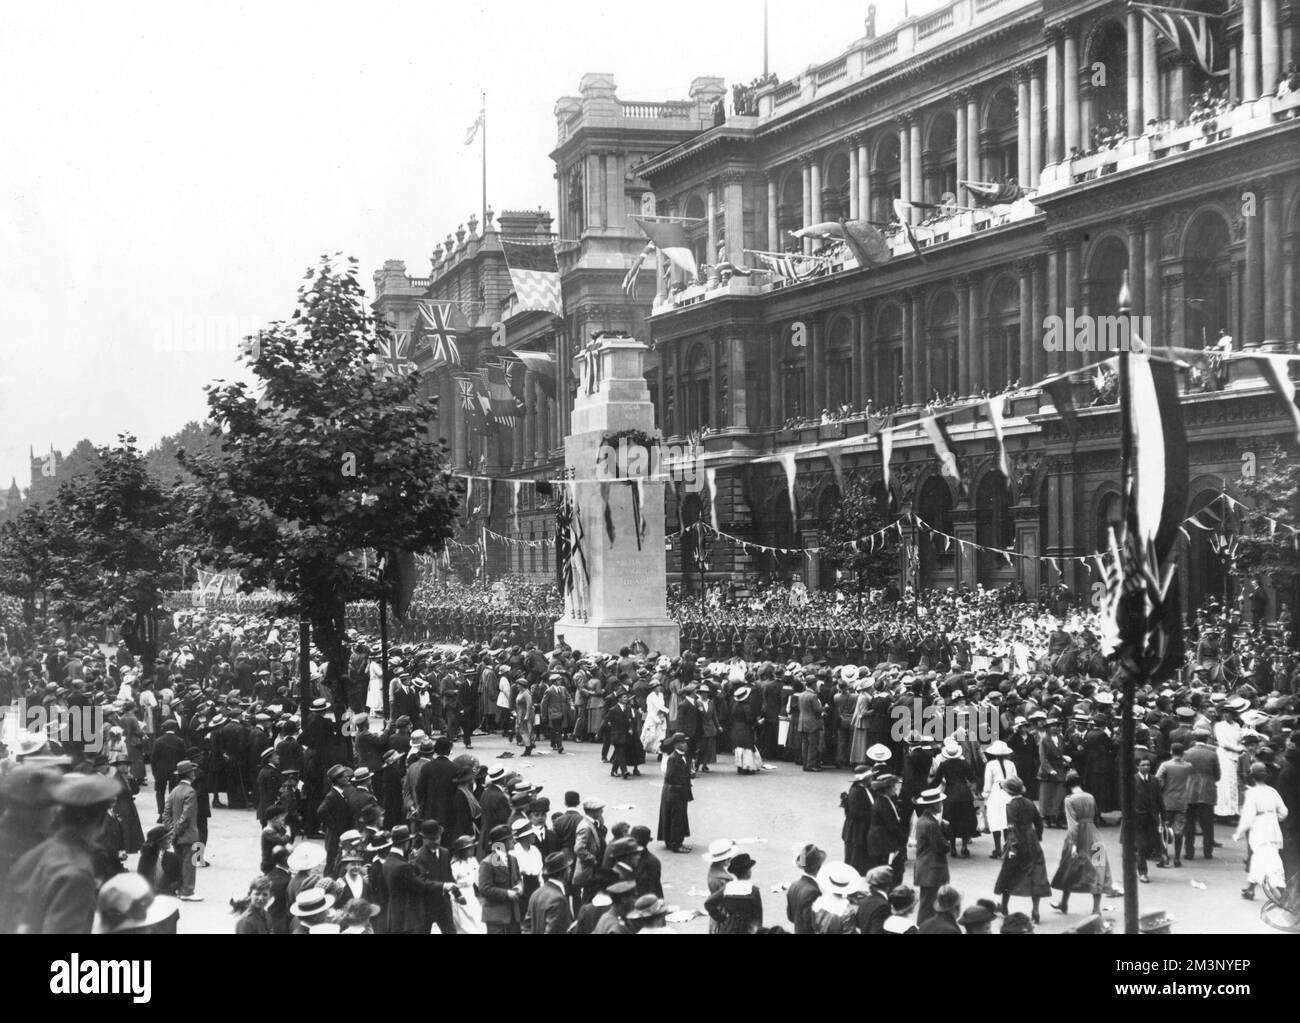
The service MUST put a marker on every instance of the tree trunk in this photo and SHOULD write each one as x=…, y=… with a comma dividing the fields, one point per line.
x=304, y=667
x=329, y=633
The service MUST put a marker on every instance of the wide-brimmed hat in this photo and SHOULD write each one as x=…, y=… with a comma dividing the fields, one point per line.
x=840, y=879
x=1155, y=921
x=930, y=797
x=849, y=673
x=878, y=752
x=648, y=907
x=1013, y=786
x=127, y=903
x=379, y=842
x=884, y=781
x=672, y=740
x=998, y=748
x=1237, y=704
x=310, y=902
x=555, y=864
x=951, y=751
x=742, y=694
x=720, y=850
x=1095, y=924
x=306, y=857
x=186, y=766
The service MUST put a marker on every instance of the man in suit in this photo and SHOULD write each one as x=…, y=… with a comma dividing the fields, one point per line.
x=435, y=786
x=1148, y=812
x=589, y=847
x=690, y=722
x=1172, y=776
x=268, y=783
x=500, y=885
x=805, y=890
x=566, y=823
x=334, y=815
x=1202, y=792
x=930, y=872
x=556, y=708
x=495, y=807
x=358, y=795
x=811, y=728
x=770, y=691
x=617, y=723
x=648, y=873
x=548, y=909
x=182, y=817
x=168, y=751
x=433, y=861
x=405, y=888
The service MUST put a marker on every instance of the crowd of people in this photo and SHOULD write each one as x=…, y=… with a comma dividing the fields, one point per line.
x=952, y=716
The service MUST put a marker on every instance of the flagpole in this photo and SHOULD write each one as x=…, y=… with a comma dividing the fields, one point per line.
x=1132, y=649
x=483, y=134
x=765, y=38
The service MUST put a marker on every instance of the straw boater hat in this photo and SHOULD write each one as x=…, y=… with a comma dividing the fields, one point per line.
x=951, y=751
x=310, y=902
x=306, y=857
x=840, y=880
x=127, y=903
x=930, y=797
x=879, y=753
x=720, y=850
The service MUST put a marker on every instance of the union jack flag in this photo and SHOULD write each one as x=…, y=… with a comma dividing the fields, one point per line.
x=465, y=386
x=393, y=359
x=434, y=328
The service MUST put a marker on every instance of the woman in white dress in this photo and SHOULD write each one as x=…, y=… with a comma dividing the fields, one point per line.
x=1227, y=736
x=467, y=915
x=998, y=769
x=1262, y=814
x=656, y=719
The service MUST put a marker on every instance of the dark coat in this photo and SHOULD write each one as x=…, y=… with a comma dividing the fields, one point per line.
x=407, y=892
x=931, y=868
x=940, y=923
x=168, y=751
x=335, y=817
x=435, y=790
x=496, y=882
x=434, y=865
x=857, y=822
x=496, y=810
x=548, y=912
x=887, y=835
x=799, y=899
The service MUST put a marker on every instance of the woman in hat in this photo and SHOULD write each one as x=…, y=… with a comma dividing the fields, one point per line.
x=466, y=811
x=998, y=767
x=902, y=904
x=357, y=916
x=835, y=911
x=1084, y=865
x=1227, y=738
x=466, y=912
x=674, y=822
x=656, y=719
x=744, y=731
x=737, y=907
x=253, y=918
x=953, y=772
x=158, y=864
x=887, y=836
x=1024, y=868
x=127, y=905
x=857, y=818
x=1262, y=813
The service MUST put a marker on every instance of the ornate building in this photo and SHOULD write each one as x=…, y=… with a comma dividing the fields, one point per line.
x=1130, y=162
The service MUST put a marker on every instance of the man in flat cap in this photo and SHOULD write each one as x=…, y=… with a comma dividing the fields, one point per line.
x=181, y=815
x=52, y=889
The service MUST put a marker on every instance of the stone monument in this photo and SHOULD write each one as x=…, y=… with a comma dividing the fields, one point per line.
x=612, y=457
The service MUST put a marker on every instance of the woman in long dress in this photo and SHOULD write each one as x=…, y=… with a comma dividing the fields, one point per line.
x=466, y=912
x=1084, y=865
x=744, y=741
x=656, y=719
x=674, y=821
x=1024, y=868
x=951, y=770
x=861, y=725
x=998, y=767
x=1262, y=814
x=1227, y=736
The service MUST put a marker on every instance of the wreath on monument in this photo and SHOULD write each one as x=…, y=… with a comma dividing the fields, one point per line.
x=632, y=438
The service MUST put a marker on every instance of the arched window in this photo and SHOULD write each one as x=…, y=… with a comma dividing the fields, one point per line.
x=794, y=372
x=941, y=349
x=1209, y=281
x=697, y=388
x=697, y=230
x=1106, y=104
x=1109, y=516
x=835, y=187
x=998, y=140
x=994, y=527
x=934, y=506
x=839, y=364
x=1003, y=334
x=789, y=213
x=885, y=177
x=888, y=355
x=940, y=157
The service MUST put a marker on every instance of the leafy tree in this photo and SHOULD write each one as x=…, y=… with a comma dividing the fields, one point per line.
x=856, y=517
x=163, y=458
x=1273, y=491
x=328, y=458
x=27, y=568
x=113, y=546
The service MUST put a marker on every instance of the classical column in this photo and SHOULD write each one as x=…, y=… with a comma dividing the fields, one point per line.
x=715, y=384
x=853, y=178
x=457, y=431
x=816, y=185
x=1151, y=295
x=918, y=192
x=1087, y=108
x=1023, y=172
x=1035, y=124
x=916, y=297
x=1053, y=37
x=1275, y=292
x=1025, y=275
x=1070, y=91
x=805, y=162
x=1133, y=83
x=853, y=384
x=864, y=354
x=1073, y=298
x=517, y=452
x=904, y=123
x=977, y=342
x=1254, y=298
x=813, y=389
x=972, y=138
x=1179, y=75
x=711, y=256
x=773, y=243
x=965, y=338
x=1269, y=46
x=1288, y=288
x=1040, y=314
x=662, y=406
x=737, y=398
x=1250, y=51
x=864, y=178
x=733, y=216
x=959, y=109
x=1055, y=307
x=909, y=356
x=1134, y=227
x=1150, y=76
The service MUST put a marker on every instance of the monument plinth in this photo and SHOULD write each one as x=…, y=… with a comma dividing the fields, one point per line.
x=612, y=457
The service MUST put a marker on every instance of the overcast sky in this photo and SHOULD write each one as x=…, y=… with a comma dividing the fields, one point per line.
x=172, y=168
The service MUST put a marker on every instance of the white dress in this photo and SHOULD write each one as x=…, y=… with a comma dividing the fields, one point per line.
x=996, y=798
x=469, y=917
x=1227, y=734
x=1262, y=813
x=655, y=728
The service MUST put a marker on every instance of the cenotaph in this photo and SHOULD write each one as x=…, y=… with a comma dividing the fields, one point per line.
x=619, y=580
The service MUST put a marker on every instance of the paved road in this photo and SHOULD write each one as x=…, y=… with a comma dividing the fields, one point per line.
x=770, y=814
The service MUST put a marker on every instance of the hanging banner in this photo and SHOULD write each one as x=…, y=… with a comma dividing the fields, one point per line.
x=787, y=463
x=516, y=487
x=996, y=407
x=886, y=450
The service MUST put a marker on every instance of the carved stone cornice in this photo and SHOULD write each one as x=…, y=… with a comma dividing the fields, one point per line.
x=733, y=177
x=1024, y=267
x=905, y=120
x=856, y=139
x=961, y=97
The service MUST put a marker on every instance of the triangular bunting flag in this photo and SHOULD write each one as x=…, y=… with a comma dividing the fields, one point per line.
x=711, y=479
x=886, y=450
x=787, y=463
x=996, y=407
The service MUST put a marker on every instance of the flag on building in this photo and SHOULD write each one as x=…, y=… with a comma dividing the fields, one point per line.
x=434, y=329
x=794, y=268
x=480, y=414
x=535, y=275
x=1189, y=32
x=474, y=128
x=629, y=281
x=540, y=364
x=670, y=239
x=506, y=408
x=1059, y=391
x=393, y=359
x=867, y=244
x=900, y=211
x=945, y=450
x=992, y=193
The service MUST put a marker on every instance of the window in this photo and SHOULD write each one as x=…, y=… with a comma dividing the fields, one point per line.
x=941, y=348
x=889, y=357
x=839, y=365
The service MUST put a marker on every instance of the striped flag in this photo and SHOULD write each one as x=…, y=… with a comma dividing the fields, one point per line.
x=1189, y=32
x=394, y=356
x=535, y=275
x=629, y=281
x=794, y=268
x=504, y=407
